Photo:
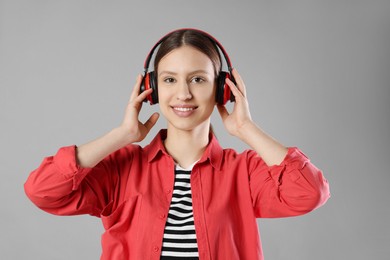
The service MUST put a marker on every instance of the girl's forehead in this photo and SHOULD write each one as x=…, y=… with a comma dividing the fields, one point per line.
x=186, y=56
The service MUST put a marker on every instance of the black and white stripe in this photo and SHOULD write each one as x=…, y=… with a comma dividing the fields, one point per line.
x=179, y=240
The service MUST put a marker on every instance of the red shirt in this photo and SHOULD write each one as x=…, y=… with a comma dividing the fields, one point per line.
x=131, y=191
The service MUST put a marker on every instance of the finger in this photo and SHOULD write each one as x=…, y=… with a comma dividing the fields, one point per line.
x=151, y=121
x=141, y=97
x=239, y=81
x=223, y=112
x=236, y=92
x=136, y=88
x=138, y=101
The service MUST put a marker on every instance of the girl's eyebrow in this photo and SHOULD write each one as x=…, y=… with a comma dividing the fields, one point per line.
x=175, y=73
x=166, y=72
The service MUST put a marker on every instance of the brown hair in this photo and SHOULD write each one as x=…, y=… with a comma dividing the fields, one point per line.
x=193, y=38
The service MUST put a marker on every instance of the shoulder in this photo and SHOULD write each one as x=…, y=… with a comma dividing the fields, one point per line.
x=234, y=154
x=136, y=151
x=127, y=152
x=233, y=157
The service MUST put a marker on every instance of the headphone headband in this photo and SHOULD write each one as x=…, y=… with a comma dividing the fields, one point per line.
x=215, y=41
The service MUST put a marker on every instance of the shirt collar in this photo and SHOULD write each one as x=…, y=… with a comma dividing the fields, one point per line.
x=213, y=152
x=156, y=146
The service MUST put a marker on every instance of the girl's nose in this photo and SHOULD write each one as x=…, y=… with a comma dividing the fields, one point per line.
x=183, y=92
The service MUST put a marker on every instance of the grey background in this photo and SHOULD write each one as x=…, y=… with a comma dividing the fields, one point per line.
x=317, y=74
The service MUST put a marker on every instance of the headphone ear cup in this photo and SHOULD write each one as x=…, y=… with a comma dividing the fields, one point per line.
x=153, y=85
x=149, y=82
x=145, y=85
x=223, y=93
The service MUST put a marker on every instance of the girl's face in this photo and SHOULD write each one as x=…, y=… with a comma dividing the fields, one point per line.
x=186, y=88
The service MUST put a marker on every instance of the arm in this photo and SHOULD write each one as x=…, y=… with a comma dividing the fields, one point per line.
x=291, y=188
x=80, y=180
x=130, y=131
x=240, y=124
x=283, y=181
x=61, y=187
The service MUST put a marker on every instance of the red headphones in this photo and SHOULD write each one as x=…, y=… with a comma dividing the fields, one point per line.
x=223, y=92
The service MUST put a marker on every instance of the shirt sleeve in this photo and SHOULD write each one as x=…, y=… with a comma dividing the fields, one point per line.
x=61, y=187
x=294, y=187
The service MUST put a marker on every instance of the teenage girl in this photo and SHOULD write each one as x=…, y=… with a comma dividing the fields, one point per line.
x=182, y=196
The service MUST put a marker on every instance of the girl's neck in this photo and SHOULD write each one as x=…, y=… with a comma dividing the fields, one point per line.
x=186, y=147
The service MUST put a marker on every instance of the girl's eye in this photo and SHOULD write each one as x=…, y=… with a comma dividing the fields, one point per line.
x=169, y=80
x=197, y=80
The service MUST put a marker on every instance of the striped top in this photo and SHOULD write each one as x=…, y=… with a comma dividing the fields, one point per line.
x=179, y=241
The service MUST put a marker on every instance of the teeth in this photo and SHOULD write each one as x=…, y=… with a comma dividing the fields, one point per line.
x=184, y=109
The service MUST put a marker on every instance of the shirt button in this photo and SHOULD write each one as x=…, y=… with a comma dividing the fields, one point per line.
x=169, y=191
x=155, y=248
x=162, y=216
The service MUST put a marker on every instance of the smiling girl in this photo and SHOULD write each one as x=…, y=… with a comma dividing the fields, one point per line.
x=182, y=196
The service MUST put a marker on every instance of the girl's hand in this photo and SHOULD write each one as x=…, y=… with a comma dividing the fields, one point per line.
x=240, y=116
x=240, y=124
x=133, y=129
